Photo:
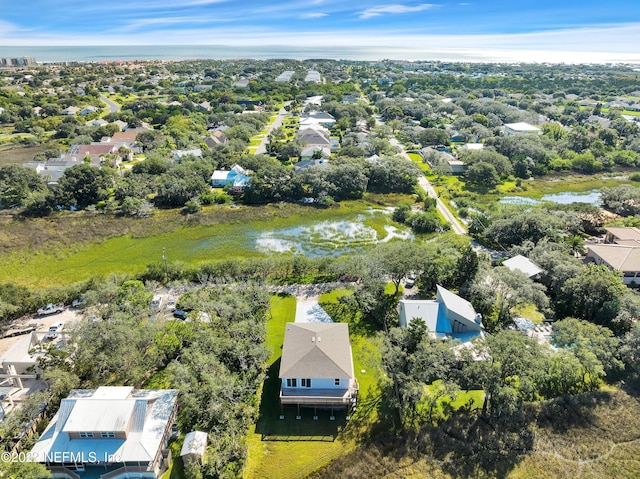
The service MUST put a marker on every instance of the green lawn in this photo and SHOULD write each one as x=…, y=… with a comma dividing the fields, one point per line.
x=291, y=448
x=530, y=311
x=176, y=469
x=417, y=159
x=472, y=399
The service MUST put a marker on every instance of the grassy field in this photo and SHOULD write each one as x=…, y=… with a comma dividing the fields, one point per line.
x=566, y=182
x=417, y=159
x=71, y=247
x=11, y=153
x=530, y=311
x=292, y=448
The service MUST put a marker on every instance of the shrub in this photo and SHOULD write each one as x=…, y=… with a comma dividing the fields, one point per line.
x=401, y=213
x=192, y=206
x=425, y=223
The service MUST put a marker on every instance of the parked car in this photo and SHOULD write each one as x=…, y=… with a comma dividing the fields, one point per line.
x=54, y=329
x=78, y=302
x=156, y=302
x=51, y=309
x=179, y=314
x=346, y=278
x=171, y=303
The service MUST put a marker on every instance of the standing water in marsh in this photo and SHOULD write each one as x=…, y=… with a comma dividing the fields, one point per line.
x=327, y=238
x=563, y=198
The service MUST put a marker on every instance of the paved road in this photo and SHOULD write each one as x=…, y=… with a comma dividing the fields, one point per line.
x=428, y=187
x=456, y=226
x=262, y=147
x=113, y=107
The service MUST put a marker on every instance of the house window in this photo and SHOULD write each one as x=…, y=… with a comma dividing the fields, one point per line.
x=292, y=383
x=306, y=383
x=108, y=435
x=458, y=327
x=336, y=382
x=86, y=435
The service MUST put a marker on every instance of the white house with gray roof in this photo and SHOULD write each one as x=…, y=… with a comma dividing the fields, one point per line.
x=316, y=368
x=109, y=432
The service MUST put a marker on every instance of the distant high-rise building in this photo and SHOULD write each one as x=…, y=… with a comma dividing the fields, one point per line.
x=17, y=62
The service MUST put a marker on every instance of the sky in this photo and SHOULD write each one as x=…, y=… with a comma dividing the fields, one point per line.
x=541, y=30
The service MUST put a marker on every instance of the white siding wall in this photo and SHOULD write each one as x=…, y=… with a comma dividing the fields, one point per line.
x=319, y=383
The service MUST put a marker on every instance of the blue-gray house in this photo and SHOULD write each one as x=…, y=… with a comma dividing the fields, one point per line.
x=237, y=177
x=448, y=316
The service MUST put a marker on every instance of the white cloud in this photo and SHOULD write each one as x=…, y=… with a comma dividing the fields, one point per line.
x=160, y=22
x=394, y=9
x=310, y=16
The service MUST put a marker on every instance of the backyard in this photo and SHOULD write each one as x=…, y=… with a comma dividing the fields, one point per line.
x=291, y=448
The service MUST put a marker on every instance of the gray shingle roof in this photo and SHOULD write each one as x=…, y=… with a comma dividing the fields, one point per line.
x=316, y=350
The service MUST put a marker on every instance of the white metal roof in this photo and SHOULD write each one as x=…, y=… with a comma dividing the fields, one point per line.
x=105, y=415
x=521, y=126
x=455, y=303
x=149, y=414
x=427, y=310
x=112, y=392
x=523, y=264
x=195, y=442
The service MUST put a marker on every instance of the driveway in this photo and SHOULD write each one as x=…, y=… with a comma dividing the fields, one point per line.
x=310, y=311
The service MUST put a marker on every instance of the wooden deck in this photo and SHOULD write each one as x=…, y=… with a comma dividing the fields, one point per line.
x=320, y=397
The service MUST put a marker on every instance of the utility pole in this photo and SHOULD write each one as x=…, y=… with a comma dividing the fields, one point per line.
x=164, y=259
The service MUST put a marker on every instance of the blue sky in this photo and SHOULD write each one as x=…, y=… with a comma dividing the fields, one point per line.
x=574, y=28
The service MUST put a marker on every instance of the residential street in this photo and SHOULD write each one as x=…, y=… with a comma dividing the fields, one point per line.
x=262, y=147
x=428, y=187
x=113, y=107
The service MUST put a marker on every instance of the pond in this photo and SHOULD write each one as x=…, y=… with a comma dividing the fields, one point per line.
x=326, y=238
x=564, y=198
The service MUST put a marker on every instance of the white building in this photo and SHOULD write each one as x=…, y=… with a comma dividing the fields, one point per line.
x=524, y=265
x=521, y=128
x=316, y=368
x=114, y=432
x=194, y=447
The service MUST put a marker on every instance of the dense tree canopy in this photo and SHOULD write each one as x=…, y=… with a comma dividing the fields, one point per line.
x=19, y=185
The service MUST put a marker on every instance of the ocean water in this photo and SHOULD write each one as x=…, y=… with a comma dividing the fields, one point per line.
x=223, y=52
x=413, y=52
